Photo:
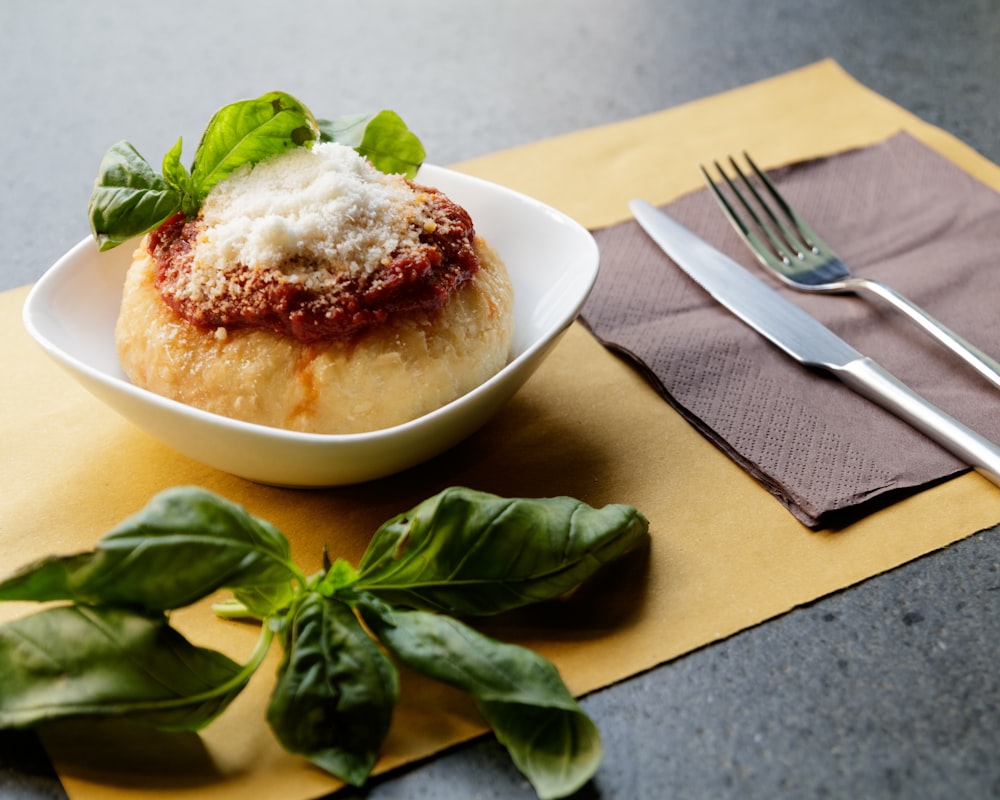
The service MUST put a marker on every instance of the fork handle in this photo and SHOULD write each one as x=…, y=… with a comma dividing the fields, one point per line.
x=870, y=380
x=972, y=355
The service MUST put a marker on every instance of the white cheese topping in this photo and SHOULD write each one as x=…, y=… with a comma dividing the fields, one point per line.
x=311, y=214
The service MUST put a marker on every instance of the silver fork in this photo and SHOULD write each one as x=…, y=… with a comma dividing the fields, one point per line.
x=794, y=253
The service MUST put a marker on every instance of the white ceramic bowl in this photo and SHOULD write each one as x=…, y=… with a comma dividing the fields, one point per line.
x=552, y=261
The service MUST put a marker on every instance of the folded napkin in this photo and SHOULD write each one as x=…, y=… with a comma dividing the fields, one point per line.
x=897, y=211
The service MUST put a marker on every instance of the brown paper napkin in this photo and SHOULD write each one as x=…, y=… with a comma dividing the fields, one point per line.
x=896, y=211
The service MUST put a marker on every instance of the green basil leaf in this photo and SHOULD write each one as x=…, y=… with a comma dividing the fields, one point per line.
x=336, y=690
x=78, y=661
x=557, y=749
x=336, y=576
x=469, y=552
x=185, y=544
x=549, y=737
x=177, y=177
x=129, y=198
x=382, y=138
x=246, y=133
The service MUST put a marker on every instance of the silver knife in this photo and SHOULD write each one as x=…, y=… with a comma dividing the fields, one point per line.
x=810, y=342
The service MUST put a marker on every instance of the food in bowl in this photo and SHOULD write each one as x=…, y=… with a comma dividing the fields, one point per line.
x=306, y=289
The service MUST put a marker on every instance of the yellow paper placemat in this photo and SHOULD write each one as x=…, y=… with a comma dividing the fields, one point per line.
x=724, y=556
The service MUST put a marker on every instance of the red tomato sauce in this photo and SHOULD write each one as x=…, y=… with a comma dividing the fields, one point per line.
x=414, y=279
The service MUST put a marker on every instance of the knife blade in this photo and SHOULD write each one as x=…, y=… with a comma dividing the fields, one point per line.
x=808, y=341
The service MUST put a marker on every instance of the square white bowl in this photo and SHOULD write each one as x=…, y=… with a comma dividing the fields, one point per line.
x=552, y=261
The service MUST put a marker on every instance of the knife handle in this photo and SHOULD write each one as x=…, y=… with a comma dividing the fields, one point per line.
x=870, y=380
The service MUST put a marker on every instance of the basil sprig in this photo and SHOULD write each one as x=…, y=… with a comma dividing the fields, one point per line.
x=130, y=198
x=106, y=648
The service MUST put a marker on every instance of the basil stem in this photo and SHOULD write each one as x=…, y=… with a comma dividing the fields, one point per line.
x=550, y=739
x=469, y=552
x=184, y=545
x=73, y=661
x=336, y=691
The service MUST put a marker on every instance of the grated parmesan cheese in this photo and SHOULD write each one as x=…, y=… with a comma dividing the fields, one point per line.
x=312, y=215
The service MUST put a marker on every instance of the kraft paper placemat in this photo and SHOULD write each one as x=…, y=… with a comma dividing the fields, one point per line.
x=725, y=555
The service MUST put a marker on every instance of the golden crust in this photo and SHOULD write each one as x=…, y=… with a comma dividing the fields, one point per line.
x=392, y=374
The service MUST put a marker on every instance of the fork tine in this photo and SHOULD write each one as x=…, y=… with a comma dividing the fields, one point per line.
x=730, y=212
x=805, y=231
x=778, y=248
x=787, y=236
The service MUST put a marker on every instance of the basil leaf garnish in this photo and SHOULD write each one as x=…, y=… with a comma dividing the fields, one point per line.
x=184, y=545
x=470, y=552
x=177, y=177
x=76, y=661
x=382, y=138
x=550, y=739
x=129, y=198
x=248, y=132
x=336, y=690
